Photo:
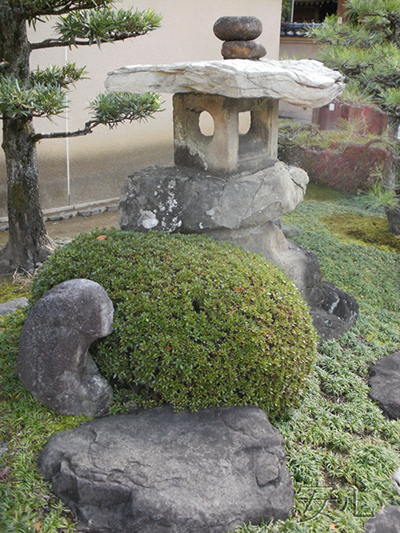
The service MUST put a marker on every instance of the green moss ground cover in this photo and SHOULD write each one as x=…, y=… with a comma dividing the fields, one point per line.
x=341, y=450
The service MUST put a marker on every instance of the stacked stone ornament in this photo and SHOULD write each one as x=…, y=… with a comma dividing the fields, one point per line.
x=238, y=34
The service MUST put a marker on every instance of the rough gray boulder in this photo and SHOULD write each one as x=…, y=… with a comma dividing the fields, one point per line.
x=193, y=201
x=385, y=384
x=159, y=471
x=386, y=521
x=54, y=364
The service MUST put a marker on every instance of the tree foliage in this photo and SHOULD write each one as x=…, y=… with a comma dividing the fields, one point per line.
x=366, y=48
x=84, y=24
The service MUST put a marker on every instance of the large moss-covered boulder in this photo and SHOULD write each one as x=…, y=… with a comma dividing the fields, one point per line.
x=197, y=323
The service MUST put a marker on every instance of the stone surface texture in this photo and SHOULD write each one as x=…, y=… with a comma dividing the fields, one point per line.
x=172, y=198
x=226, y=151
x=306, y=82
x=238, y=209
x=159, y=471
x=386, y=521
x=53, y=360
x=243, y=50
x=396, y=480
x=238, y=28
x=13, y=305
x=385, y=384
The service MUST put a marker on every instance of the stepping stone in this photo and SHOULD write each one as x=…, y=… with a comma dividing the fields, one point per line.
x=386, y=521
x=160, y=471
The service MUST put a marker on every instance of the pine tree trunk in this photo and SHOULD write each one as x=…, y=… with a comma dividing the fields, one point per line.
x=28, y=240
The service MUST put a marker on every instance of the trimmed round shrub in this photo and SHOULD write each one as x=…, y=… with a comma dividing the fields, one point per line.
x=198, y=323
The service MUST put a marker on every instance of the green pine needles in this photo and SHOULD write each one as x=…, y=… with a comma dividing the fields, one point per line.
x=365, y=47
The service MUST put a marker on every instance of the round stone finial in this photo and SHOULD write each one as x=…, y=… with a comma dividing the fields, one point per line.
x=237, y=28
x=242, y=50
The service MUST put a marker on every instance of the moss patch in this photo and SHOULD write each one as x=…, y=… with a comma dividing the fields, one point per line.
x=10, y=290
x=322, y=193
x=368, y=230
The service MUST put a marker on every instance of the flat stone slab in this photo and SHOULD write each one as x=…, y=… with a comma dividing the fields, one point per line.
x=385, y=384
x=172, y=198
x=306, y=83
x=160, y=471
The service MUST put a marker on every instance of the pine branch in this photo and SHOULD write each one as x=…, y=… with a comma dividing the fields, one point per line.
x=57, y=76
x=84, y=28
x=34, y=9
x=110, y=110
x=56, y=43
x=39, y=101
x=89, y=127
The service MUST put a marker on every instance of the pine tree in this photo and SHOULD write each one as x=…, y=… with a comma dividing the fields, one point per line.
x=365, y=47
x=42, y=93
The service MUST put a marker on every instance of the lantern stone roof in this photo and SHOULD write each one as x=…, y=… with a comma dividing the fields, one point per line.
x=305, y=82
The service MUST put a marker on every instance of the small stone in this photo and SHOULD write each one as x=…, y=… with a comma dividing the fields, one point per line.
x=242, y=50
x=98, y=210
x=85, y=213
x=13, y=305
x=62, y=241
x=238, y=28
x=3, y=448
x=70, y=214
x=291, y=231
x=113, y=208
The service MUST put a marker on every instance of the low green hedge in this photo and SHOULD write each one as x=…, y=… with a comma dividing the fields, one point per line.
x=197, y=323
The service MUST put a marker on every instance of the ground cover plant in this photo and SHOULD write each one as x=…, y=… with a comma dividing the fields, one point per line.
x=341, y=450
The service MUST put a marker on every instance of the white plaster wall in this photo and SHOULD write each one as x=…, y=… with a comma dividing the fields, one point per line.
x=99, y=163
x=296, y=48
